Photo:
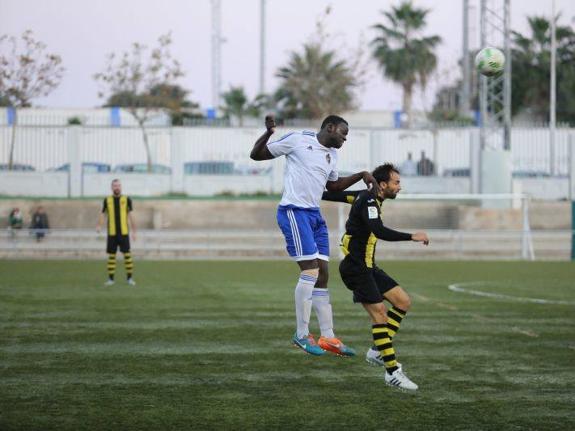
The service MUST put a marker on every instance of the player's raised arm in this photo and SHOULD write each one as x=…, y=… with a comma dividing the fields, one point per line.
x=260, y=150
x=343, y=183
x=347, y=197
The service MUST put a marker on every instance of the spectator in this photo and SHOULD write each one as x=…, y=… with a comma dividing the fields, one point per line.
x=409, y=167
x=15, y=221
x=425, y=166
x=40, y=223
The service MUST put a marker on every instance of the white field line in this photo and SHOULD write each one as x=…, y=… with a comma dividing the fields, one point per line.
x=475, y=316
x=457, y=287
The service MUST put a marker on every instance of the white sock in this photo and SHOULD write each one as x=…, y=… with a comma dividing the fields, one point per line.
x=322, y=307
x=303, y=293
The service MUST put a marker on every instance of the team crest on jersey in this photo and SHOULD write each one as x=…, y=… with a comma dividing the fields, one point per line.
x=328, y=158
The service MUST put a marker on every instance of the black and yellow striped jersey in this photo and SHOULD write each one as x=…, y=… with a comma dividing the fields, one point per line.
x=364, y=226
x=117, y=209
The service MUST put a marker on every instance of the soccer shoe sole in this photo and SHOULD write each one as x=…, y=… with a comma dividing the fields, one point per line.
x=402, y=389
x=374, y=362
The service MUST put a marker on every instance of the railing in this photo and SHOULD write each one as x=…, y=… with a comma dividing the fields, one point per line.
x=268, y=244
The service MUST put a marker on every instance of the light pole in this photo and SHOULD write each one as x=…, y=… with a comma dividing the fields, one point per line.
x=262, y=88
x=552, y=94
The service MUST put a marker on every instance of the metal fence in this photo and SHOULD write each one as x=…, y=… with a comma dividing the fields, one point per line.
x=43, y=148
x=181, y=152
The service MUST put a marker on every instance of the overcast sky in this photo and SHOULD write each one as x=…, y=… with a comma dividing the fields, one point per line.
x=82, y=32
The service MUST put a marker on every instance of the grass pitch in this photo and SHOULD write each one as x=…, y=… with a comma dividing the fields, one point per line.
x=206, y=345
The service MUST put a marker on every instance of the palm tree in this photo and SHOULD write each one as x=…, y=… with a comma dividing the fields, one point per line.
x=236, y=104
x=315, y=83
x=405, y=57
x=531, y=67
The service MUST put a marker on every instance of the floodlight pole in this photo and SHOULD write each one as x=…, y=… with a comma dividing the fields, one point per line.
x=507, y=75
x=216, y=53
x=553, y=94
x=262, y=88
x=464, y=106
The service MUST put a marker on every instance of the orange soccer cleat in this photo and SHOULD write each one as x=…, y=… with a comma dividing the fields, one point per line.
x=335, y=345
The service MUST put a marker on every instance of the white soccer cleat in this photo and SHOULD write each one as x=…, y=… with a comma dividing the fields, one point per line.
x=373, y=357
x=109, y=283
x=131, y=282
x=400, y=380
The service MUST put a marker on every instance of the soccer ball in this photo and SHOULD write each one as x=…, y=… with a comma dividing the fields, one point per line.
x=489, y=61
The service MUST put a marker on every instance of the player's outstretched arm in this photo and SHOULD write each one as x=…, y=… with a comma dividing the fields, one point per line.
x=371, y=216
x=343, y=183
x=387, y=234
x=346, y=197
x=260, y=150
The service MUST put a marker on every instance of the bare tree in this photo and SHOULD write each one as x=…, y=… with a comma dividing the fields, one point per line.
x=26, y=72
x=135, y=78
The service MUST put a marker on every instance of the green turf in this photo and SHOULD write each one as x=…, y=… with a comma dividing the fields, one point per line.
x=205, y=345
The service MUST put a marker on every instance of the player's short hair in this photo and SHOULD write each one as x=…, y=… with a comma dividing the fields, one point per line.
x=383, y=172
x=333, y=119
x=115, y=180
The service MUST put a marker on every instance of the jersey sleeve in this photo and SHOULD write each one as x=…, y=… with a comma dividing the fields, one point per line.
x=347, y=197
x=130, y=208
x=333, y=175
x=371, y=216
x=105, y=206
x=284, y=145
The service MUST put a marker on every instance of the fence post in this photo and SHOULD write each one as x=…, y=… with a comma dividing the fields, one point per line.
x=527, y=251
x=75, y=175
x=474, y=160
x=177, y=154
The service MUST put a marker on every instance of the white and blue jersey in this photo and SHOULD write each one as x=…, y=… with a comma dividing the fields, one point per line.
x=309, y=166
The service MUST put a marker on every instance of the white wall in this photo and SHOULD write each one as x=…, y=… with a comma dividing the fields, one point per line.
x=543, y=188
x=209, y=185
x=133, y=184
x=52, y=184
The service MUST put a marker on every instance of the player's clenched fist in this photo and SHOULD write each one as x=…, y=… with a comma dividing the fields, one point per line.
x=270, y=123
x=420, y=237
